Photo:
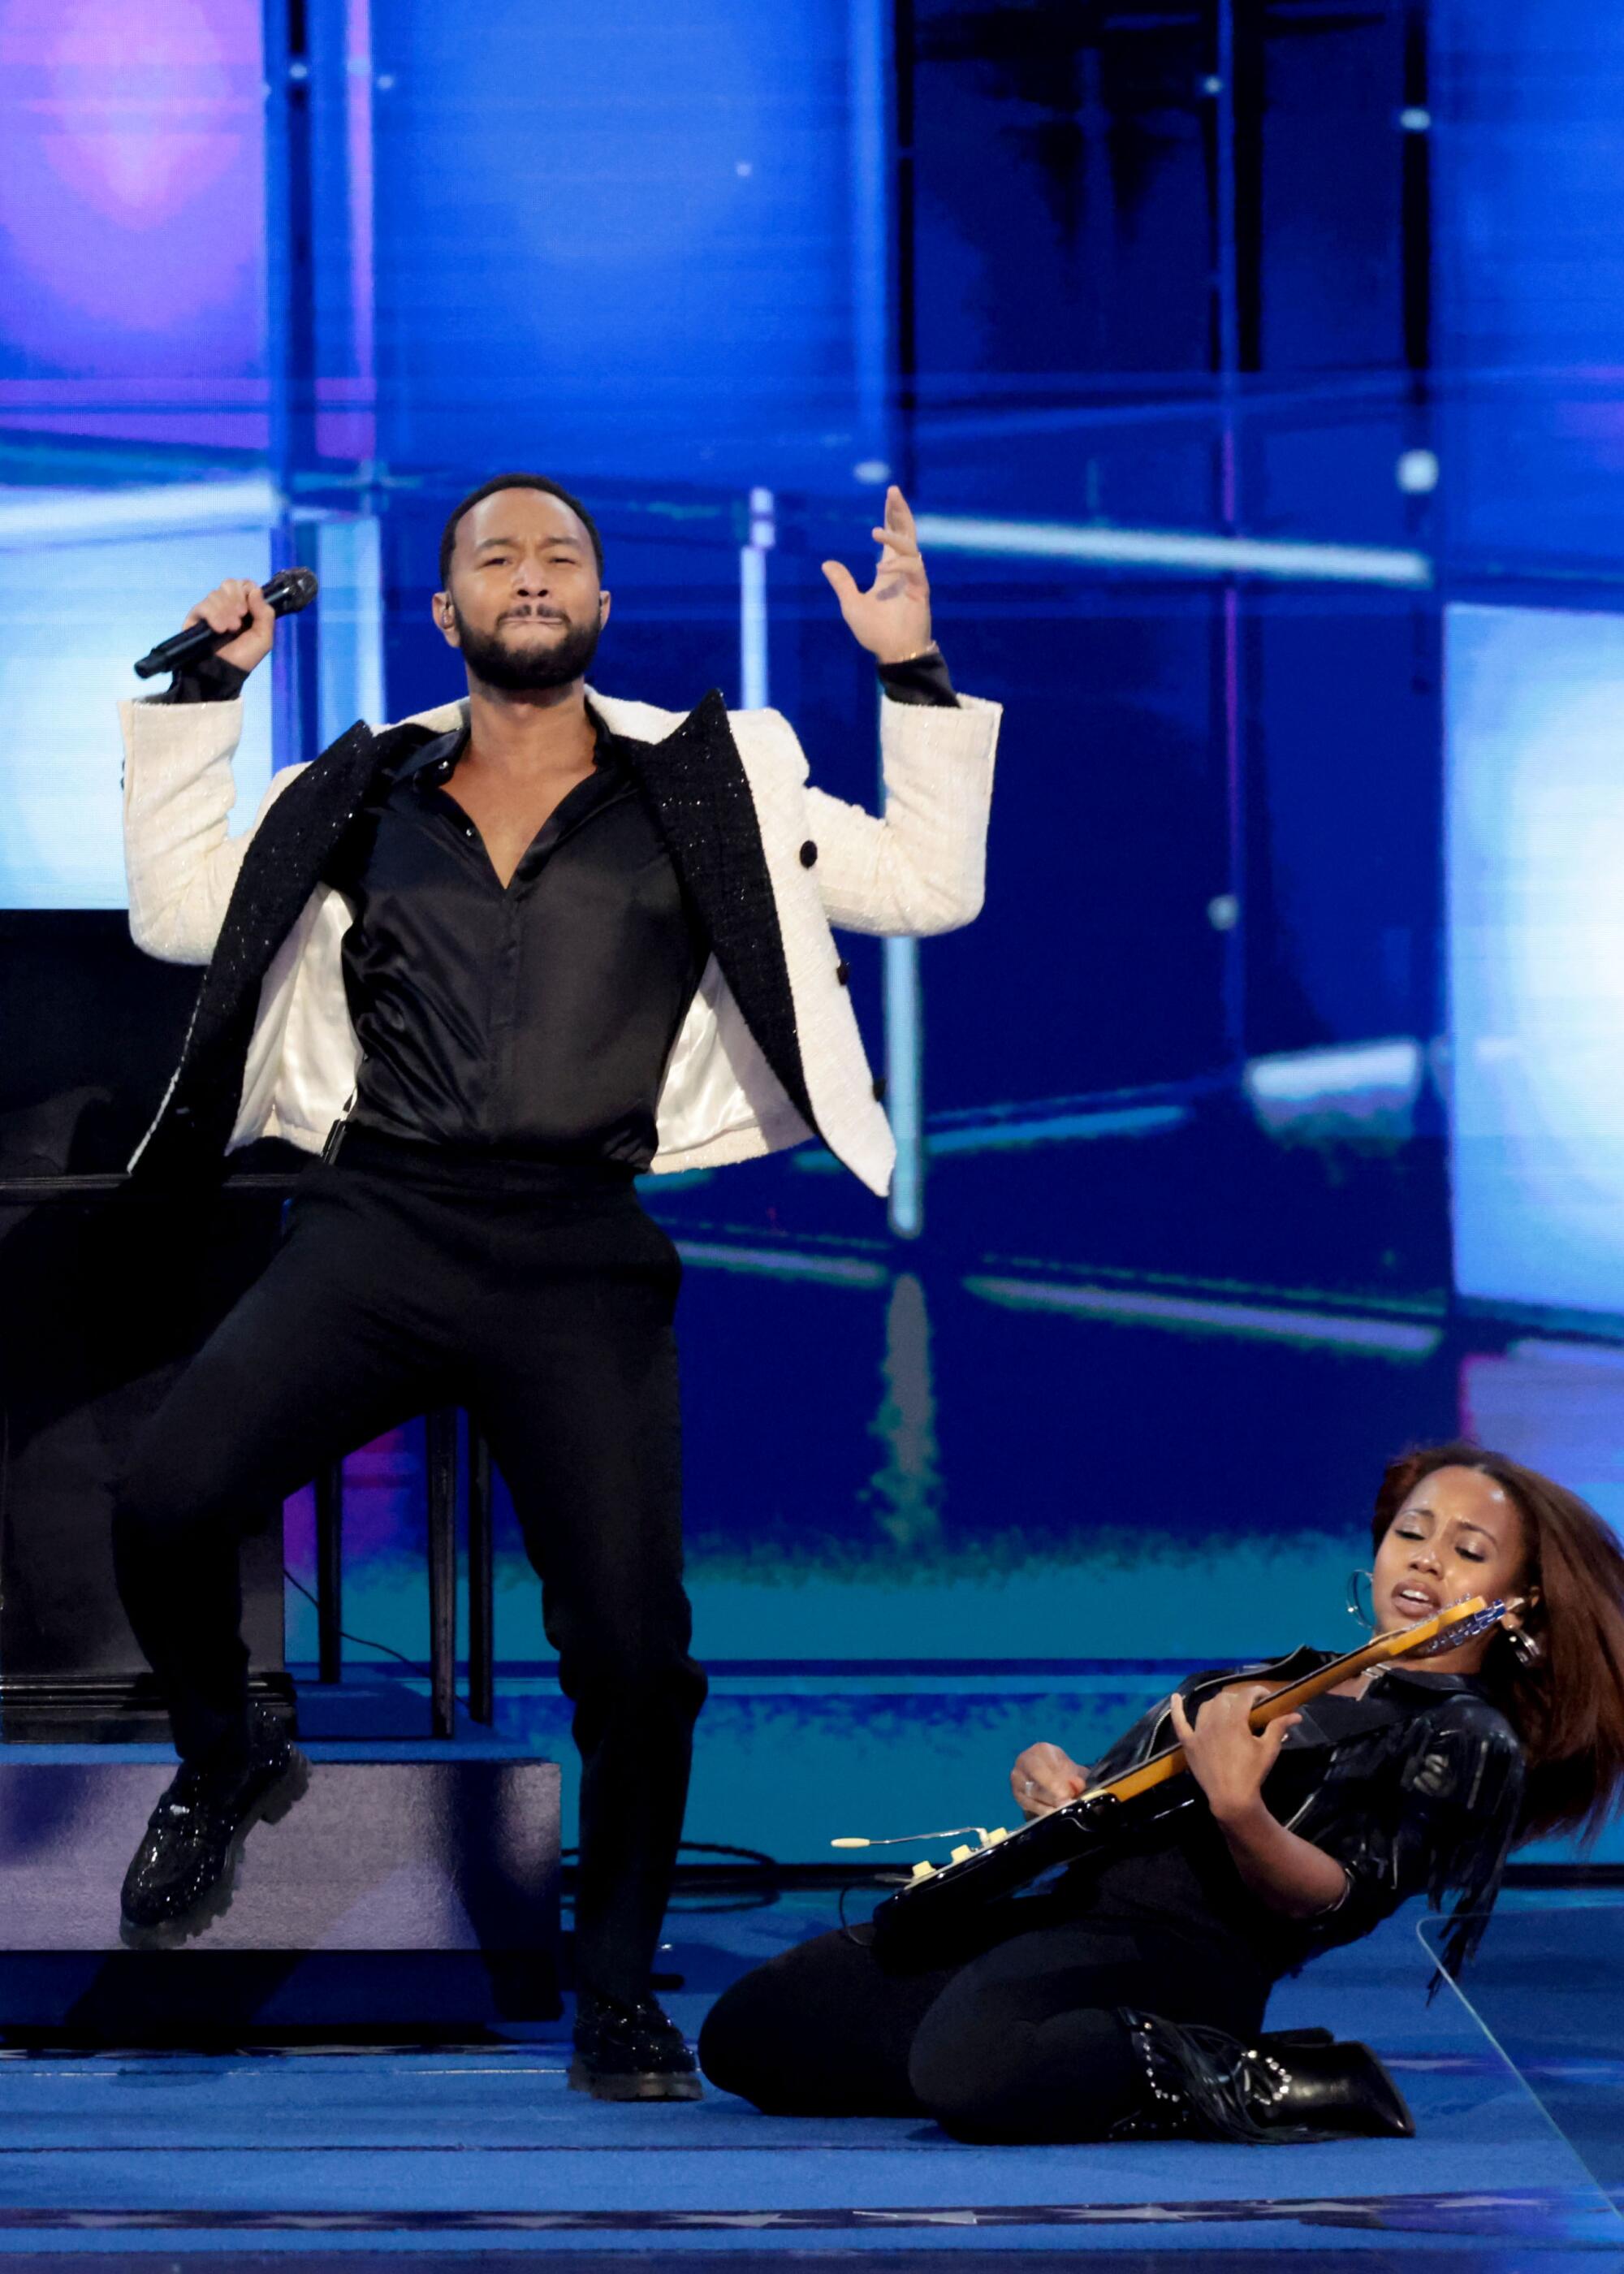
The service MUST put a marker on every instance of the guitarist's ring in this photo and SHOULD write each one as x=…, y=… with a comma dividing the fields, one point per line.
x=1031, y=1785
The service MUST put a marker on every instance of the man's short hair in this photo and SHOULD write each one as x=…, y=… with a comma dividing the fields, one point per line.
x=447, y=543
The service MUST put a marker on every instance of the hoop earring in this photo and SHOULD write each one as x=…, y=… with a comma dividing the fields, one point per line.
x=1525, y=1647
x=1356, y=1599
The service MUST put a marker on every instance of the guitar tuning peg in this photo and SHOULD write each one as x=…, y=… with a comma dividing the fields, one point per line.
x=991, y=1839
x=959, y=1853
x=923, y=1872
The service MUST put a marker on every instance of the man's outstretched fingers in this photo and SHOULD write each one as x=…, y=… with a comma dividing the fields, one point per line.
x=842, y=579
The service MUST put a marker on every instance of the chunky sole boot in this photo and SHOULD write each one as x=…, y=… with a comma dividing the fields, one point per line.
x=630, y=2052
x=183, y=1876
x=1295, y=2087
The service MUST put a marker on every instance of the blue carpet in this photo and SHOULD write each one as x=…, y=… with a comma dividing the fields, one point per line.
x=455, y=2155
x=1312, y=2258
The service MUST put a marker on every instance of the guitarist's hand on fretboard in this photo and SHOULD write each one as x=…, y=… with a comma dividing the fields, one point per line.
x=1227, y=1759
x=1045, y=1778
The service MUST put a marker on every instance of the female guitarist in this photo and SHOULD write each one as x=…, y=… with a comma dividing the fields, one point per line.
x=1129, y=1995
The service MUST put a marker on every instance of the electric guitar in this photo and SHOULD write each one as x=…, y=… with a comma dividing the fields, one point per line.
x=940, y=1902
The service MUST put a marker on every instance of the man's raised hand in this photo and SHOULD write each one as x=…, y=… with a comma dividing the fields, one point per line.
x=225, y=608
x=892, y=618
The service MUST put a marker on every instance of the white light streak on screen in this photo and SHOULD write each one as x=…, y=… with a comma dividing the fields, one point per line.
x=1535, y=806
x=73, y=617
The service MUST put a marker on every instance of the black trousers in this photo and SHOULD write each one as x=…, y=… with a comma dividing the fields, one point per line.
x=543, y=1302
x=1021, y=2043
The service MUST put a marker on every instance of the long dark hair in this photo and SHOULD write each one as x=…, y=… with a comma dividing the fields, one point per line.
x=1568, y=1706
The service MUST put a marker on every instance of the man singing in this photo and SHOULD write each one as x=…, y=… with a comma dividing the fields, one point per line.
x=491, y=964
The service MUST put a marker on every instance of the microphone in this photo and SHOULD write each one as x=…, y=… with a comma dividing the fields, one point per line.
x=289, y=590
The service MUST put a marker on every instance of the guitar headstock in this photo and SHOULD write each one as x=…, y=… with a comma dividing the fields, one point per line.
x=1459, y=1623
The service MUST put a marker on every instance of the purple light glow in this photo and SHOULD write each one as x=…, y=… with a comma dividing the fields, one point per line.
x=383, y=1502
x=132, y=191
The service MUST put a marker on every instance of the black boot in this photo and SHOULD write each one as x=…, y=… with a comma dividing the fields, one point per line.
x=181, y=1877
x=1298, y=2086
x=630, y=2052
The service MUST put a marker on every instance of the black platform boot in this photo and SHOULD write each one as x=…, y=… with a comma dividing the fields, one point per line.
x=1296, y=2086
x=182, y=1876
x=630, y=2052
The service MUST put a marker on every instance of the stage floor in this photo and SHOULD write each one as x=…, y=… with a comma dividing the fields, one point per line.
x=479, y=2157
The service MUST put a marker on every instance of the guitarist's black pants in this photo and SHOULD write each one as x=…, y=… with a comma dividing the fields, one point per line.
x=541, y=1300
x=1021, y=2043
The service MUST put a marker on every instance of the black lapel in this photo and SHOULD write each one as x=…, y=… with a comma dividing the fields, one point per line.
x=280, y=870
x=694, y=783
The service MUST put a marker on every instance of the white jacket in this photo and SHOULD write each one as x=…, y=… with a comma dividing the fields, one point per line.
x=919, y=870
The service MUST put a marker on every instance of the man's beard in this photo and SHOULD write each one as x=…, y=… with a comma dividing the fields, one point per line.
x=528, y=669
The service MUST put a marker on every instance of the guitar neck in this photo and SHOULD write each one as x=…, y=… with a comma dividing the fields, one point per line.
x=1399, y=1643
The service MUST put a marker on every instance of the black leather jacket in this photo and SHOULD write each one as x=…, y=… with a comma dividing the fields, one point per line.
x=1415, y=1788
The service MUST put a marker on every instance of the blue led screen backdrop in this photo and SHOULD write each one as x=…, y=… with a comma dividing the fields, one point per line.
x=1248, y=494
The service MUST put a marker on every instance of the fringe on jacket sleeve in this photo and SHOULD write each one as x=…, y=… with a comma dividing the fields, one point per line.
x=1443, y=1826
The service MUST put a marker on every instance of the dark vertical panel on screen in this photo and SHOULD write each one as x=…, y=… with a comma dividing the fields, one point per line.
x=1345, y=817
x=1060, y=164
x=1330, y=156
x=1342, y=697
x=1331, y=184
x=1063, y=249
x=1416, y=192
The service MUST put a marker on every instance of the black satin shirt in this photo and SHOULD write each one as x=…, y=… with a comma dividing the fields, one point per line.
x=533, y=1020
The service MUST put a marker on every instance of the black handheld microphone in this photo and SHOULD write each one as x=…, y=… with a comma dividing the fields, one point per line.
x=289, y=590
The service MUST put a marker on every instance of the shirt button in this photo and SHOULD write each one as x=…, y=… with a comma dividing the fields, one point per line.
x=809, y=854
x=843, y=973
